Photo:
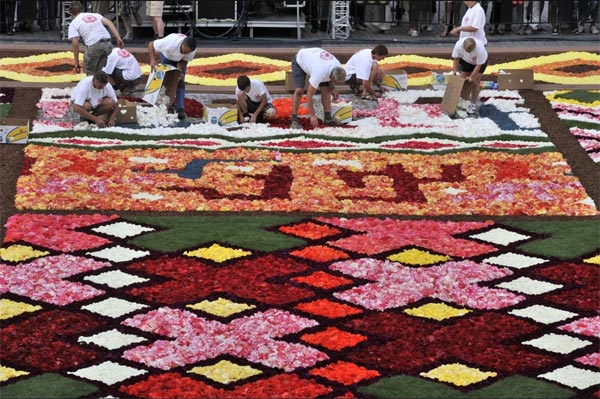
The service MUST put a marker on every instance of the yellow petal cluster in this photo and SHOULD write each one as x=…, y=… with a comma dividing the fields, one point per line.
x=217, y=253
x=226, y=372
x=458, y=374
x=6, y=373
x=17, y=253
x=221, y=307
x=10, y=308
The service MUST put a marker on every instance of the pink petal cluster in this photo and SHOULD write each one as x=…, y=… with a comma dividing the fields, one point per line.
x=589, y=326
x=43, y=279
x=196, y=339
x=54, y=109
x=395, y=285
x=55, y=232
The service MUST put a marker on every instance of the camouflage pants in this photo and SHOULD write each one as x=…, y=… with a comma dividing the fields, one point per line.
x=95, y=56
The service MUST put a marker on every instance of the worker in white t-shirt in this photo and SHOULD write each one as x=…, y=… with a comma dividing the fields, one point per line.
x=95, y=100
x=123, y=70
x=91, y=29
x=470, y=59
x=254, y=101
x=324, y=71
x=175, y=49
x=362, y=69
x=473, y=23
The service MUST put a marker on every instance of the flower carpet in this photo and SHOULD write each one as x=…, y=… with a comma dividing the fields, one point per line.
x=407, y=254
x=276, y=306
x=580, y=111
x=217, y=70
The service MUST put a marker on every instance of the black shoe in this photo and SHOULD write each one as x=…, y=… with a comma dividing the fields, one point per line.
x=181, y=115
x=330, y=122
x=315, y=28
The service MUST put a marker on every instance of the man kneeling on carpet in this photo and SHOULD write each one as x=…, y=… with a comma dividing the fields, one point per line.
x=470, y=58
x=123, y=70
x=254, y=102
x=362, y=69
x=95, y=100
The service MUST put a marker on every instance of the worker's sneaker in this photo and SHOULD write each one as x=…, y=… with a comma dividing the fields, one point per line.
x=295, y=125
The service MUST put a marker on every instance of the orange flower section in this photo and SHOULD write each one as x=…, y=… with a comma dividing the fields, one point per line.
x=345, y=373
x=327, y=308
x=320, y=253
x=334, y=339
x=310, y=230
x=323, y=280
x=246, y=68
x=238, y=179
x=553, y=68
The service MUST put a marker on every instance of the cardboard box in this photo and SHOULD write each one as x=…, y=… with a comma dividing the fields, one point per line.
x=515, y=79
x=14, y=131
x=164, y=75
x=456, y=89
x=439, y=80
x=341, y=113
x=395, y=80
x=220, y=114
x=289, y=82
x=126, y=112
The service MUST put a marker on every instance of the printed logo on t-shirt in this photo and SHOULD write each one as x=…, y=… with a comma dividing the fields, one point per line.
x=88, y=19
x=325, y=55
x=124, y=53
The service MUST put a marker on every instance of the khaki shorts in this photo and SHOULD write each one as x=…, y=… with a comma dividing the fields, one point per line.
x=154, y=8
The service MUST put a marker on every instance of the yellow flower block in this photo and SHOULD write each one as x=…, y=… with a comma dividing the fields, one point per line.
x=437, y=311
x=553, y=97
x=17, y=253
x=226, y=372
x=221, y=307
x=6, y=373
x=458, y=374
x=10, y=308
x=217, y=253
x=418, y=257
x=594, y=260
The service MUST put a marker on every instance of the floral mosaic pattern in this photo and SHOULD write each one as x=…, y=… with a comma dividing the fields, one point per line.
x=252, y=180
x=580, y=110
x=272, y=324
x=214, y=71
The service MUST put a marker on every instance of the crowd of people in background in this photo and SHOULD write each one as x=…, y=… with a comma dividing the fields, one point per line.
x=503, y=16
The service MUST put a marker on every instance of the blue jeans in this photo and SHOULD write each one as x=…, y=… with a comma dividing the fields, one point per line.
x=180, y=93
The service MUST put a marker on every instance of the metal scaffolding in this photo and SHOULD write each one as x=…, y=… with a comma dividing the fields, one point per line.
x=340, y=20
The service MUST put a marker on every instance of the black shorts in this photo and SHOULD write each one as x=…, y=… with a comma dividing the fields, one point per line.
x=120, y=81
x=253, y=106
x=466, y=67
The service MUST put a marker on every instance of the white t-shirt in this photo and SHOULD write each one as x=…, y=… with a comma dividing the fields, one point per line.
x=125, y=61
x=85, y=91
x=360, y=64
x=476, y=57
x=475, y=17
x=257, y=89
x=170, y=47
x=88, y=26
x=317, y=63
